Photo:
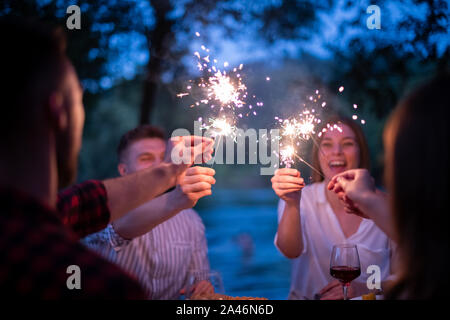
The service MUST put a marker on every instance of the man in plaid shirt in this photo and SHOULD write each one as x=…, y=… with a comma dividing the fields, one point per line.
x=41, y=128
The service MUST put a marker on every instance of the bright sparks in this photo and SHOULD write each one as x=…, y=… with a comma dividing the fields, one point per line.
x=287, y=155
x=306, y=127
x=302, y=128
x=222, y=89
x=289, y=128
x=220, y=127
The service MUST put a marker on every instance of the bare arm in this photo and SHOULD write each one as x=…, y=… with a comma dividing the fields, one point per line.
x=289, y=236
x=128, y=192
x=145, y=217
x=194, y=184
x=287, y=184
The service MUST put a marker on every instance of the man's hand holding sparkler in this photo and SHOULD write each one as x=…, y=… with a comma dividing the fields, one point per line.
x=287, y=184
x=182, y=152
x=141, y=194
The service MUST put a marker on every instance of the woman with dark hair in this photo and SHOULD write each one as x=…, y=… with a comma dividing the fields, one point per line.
x=415, y=214
x=312, y=219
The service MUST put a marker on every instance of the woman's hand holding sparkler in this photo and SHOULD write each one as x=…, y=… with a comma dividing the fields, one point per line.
x=287, y=184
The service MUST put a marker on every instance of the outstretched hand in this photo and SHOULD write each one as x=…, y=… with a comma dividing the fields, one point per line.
x=352, y=187
x=287, y=184
x=184, y=151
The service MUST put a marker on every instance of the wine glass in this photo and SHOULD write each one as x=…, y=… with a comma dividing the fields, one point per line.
x=344, y=265
x=195, y=276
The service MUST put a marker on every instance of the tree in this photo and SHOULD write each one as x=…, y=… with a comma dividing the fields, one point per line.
x=88, y=48
x=376, y=65
x=168, y=38
x=381, y=66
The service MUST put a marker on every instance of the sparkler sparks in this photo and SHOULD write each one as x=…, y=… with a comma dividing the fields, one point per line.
x=220, y=89
x=220, y=127
x=287, y=155
x=295, y=129
x=302, y=128
x=223, y=90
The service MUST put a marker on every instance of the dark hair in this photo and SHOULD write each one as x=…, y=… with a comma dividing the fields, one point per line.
x=417, y=176
x=142, y=132
x=31, y=62
x=364, y=156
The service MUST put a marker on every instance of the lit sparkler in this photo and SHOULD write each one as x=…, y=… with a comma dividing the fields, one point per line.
x=303, y=127
x=295, y=130
x=287, y=156
x=222, y=90
x=220, y=127
x=299, y=128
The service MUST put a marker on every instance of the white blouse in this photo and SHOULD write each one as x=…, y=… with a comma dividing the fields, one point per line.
x=321, y=230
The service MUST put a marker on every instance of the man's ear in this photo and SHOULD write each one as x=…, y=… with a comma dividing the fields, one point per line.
x=122, y=167
x=57, y=111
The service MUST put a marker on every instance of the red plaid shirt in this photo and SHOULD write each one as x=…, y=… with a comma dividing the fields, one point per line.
x=37, y=245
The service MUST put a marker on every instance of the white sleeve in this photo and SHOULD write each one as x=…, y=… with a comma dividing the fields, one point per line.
x=106, y=237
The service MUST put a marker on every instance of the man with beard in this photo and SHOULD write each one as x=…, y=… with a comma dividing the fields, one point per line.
x=40, y=138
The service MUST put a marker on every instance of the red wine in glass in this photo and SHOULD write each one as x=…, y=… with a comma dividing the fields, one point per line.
x=344, y=264
x=345, y=274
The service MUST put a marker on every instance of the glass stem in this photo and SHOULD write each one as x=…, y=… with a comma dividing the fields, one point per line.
x=344, y=288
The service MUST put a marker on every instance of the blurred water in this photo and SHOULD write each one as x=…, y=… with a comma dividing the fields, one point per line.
x=240, y=228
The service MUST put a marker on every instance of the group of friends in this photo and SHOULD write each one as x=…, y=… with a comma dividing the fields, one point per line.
x=137, y=236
